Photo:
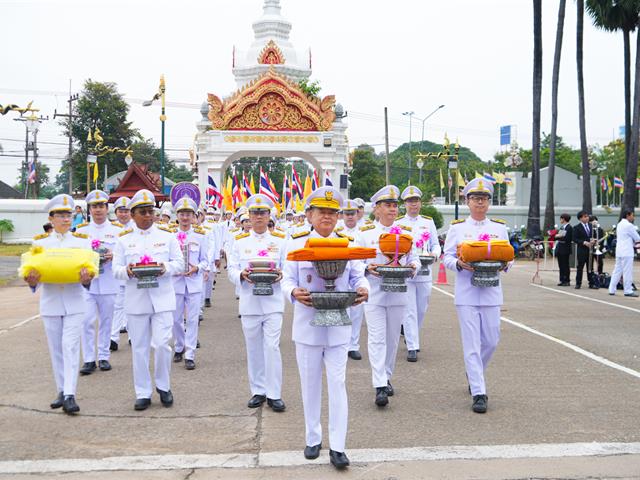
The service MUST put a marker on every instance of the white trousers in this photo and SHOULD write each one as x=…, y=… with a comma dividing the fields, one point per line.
x=383, y=328
x=145, y=331
x=100, y=309
x=480, y=331
x=624, y=269
x=264, y=362
x=419, y=294
x=355, y=314
x=119, y=318
x=310, y=360
x=63, y=337
x=186, y=339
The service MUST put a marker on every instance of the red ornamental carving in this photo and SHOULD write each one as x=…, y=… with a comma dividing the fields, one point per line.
x=271, y=55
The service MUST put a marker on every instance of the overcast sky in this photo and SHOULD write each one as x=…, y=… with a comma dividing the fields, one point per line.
x=473, y=56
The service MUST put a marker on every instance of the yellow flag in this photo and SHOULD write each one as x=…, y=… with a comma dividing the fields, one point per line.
x=307, y=187
x=478, y=175
x=499, y=177
x=461, y=182
x=95, y=172
x=441, y=180
x=226, y=195
x=252, y=186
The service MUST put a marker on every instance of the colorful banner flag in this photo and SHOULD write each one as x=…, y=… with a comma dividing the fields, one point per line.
x=307, y=187
x=236, y=192
x=499, y=177
x=286, y=193
x=252, y=186
x=314, y=181
x=327, y=179
x=441, y=180
x=214, y=197
x=617, y=182
x=603, y=184
x=246, y=190
x=265, y=187
x=296, y=184
x=637, y=183
x=489, y=177
x=507, y=180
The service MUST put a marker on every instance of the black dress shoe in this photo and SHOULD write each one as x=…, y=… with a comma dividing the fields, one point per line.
x=104, y=365
x=390, y=390
x=593, y=287
x=113, y=346
x=276, y=404
x=338, y=459
x=382, y=398
x=178, y=356
x=207, y=302
x=256, y=401
x=577, y=287
x=69, y=404
x=354, y=355
x=166, y=398
x=412, y=356
x=189, y=364
x=57, y=403
x=198, y=344
x=564, y=284
x=311, y=453
x=142, y=403
x=88, y=368
x=480, y=403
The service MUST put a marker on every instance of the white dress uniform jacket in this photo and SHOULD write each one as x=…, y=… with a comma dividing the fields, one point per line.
x=627, y=236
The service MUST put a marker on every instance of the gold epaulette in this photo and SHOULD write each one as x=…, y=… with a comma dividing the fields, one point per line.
x=339, y=229
x=301, y=234
x=426, y=217
x=165, y=229
x=41, y=236
x=367, y=227
x=199, y=231
x=124, y=232
x=344, y=235
x=206, y=227
x=499, y=220
x=234, y=230
x=117, y=224
x=242, y=235
x=278, y=234
x=80, y=235
x=83, y=224
x=278, y=228
x=368, y=222
x=400, y=217
x=455, y=222
x=405, y=227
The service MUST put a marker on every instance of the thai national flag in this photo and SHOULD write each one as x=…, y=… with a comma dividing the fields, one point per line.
x=327, y=179
x=637, y=183
x=265, y=187
x=286, y=193
x=32, y=171
x=296, y=184
x=214, y=197
x=617, y=182
x=235, y=192
x=489, y=177
x=603, y=184
x=508, y=180
x=315, y=183
x=246, y=188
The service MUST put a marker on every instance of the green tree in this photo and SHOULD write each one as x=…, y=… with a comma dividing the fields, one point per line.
x=6, y=225
x=584, y=152
x=312, y=89
x=367, y=175
x=35, y=190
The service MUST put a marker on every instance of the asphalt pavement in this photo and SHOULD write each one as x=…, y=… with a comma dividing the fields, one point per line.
x=563, y=394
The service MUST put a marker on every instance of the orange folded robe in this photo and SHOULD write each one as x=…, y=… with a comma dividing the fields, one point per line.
x=500, y=250
x=329, y=249
x=387, y=244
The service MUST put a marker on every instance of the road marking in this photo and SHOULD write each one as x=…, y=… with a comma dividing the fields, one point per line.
x=295, y=458
x=19, y=324
x=570, y=346
x=611, y=304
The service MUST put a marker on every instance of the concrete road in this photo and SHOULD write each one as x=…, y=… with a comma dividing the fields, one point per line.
x=563, y=390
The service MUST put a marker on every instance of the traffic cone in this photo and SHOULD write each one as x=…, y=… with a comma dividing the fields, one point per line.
x=442, y=274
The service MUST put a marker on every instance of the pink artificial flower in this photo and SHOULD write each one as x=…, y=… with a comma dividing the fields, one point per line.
x=420, y=243
x=484, y=237
x=146, y=260
x=263, y=253
x=395, y=230
x=425, y=236
x=182, y=237
x=95, y=244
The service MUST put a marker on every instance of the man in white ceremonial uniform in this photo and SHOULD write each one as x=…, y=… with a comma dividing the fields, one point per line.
x=188, y=283
x=119, y=323
x=214, y=237
x=352, y=230
x=627, y=236
x=317, y=345
x=149, y=310
x=261, y=314
x=418, y=287
x=63, y=306
x=478, y=308
x=102, y=294
x=384, y=311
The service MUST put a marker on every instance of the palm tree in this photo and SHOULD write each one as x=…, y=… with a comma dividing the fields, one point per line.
x=628, y=198
x=549, y=211
x=584, y=152
x=533, y=222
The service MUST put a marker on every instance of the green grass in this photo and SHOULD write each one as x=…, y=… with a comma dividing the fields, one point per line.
x=13, y=250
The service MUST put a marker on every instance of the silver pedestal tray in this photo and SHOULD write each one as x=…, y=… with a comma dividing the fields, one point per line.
x=393, y=278
x=331, y=308
x=263, y=281
x=486, y=273
x=147, y=275
x=426, y=261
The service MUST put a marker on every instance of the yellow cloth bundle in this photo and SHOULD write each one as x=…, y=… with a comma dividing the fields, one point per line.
x=329, y=249
x=59, y=265
x=495, y=250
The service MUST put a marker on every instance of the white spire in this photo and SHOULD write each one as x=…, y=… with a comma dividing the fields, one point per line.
x=272, y=24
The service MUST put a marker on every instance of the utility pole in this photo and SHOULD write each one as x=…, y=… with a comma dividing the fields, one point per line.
x=72, y=98
x=386, y=148
x=31, y=123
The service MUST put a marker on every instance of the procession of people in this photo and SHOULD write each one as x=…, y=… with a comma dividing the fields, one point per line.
x=156, y=277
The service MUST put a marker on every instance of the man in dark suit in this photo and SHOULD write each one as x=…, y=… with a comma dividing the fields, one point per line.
x=583, y=239
x=564, y=239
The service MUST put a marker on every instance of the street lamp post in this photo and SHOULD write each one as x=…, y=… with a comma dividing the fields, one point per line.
x=160, y=96
x=426, y=118
x=410, y=117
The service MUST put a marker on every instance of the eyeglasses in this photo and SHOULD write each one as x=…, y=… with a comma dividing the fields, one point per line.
x=478, y=199
x=62, y=215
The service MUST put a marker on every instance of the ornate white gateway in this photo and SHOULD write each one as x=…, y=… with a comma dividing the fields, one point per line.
x=270, y=115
